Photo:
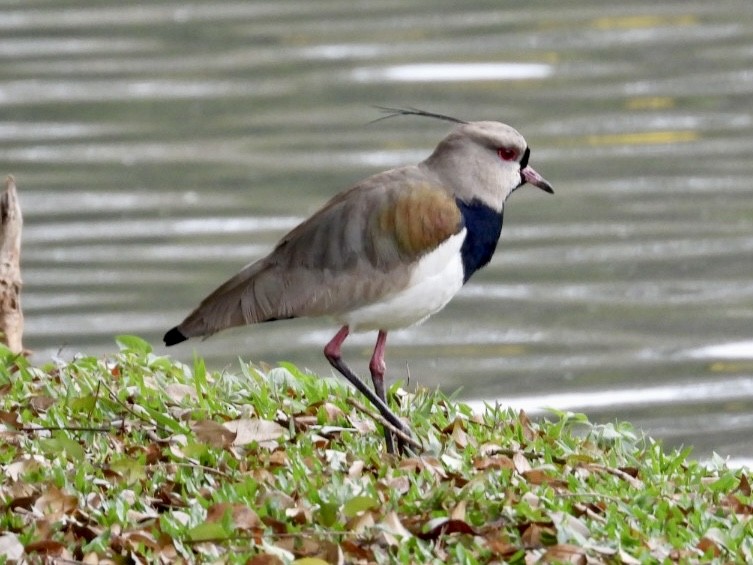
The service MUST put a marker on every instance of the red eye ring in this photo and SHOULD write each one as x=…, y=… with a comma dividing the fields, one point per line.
x=507, y=154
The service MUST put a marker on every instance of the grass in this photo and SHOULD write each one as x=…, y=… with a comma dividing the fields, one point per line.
x=137, y=458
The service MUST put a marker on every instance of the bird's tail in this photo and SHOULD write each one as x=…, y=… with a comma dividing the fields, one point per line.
x=173, y=336
x=233, y=304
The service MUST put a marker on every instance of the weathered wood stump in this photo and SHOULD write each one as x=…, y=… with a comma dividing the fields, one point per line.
x=11, y=316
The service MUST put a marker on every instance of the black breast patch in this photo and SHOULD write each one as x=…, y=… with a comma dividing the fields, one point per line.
x=483, y=225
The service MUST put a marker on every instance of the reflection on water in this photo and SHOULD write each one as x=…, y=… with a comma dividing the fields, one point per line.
x=159, y=147
x=442, y=72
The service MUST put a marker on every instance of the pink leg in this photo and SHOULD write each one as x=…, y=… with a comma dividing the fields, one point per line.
x=334, y=356
x=332, y=349
x=377, y=366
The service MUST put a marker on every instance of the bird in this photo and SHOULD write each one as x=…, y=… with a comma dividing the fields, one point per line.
x=384, y=254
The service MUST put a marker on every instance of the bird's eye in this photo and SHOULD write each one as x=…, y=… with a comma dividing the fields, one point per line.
x=507, y=154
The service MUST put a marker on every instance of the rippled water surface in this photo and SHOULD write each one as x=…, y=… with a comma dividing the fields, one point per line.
x=160, y=146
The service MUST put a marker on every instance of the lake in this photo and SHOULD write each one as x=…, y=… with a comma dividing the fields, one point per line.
x=160, y=146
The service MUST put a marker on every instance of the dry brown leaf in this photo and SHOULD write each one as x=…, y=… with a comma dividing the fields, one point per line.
x=393, y=528
x=521, y=463
x=360, y=522
x=299, y=546
x=459, y=436
x=11, y=418
x=357, y=551
x=333, y=411
x=10, y=547
x=243, y=517
x=41, y=403
x=278, y=458
x=178, y=391
x=398, y=485
x=706, y=544
x=212, y=433
x=356, y=469
x=26, y=464
x=525, y=424
x=249, y=430
x=54, y=503
x=445, y=526
x=500, y=545
x=458, y=513
x=300, y=512
x=531, y=499
x=542, y=477
x=362, y=425
x=744, y=486
x=48, y=548
x=417, y=464
x=564, y=553
x=533, y=536
x=494, y=462
x=265, y=559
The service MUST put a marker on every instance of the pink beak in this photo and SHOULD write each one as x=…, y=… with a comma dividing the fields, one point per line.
x=532, y=177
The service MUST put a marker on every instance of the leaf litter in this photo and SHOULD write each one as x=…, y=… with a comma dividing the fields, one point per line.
x=137, y=458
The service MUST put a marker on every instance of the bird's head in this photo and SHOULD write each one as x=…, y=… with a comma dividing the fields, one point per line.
x=485, y=161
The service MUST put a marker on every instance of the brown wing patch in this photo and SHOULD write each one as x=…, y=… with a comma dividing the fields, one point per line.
x=420, y=219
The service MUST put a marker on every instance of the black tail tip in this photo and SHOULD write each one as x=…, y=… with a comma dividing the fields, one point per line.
x=174, y=336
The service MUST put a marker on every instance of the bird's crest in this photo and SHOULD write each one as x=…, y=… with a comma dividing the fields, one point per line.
x=394, y=112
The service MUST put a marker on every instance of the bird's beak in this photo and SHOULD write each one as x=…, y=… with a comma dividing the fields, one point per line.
x=532, y=177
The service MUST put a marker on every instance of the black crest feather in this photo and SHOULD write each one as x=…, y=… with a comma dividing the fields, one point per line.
x=394, y=112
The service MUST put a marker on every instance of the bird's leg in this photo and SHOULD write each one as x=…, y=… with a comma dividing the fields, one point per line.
x=377, y=368
x=333, y=355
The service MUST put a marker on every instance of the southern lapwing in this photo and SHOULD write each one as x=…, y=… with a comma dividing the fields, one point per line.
x=386, y=253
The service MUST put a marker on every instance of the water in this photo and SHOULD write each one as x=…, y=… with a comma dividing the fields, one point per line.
x=160, y=146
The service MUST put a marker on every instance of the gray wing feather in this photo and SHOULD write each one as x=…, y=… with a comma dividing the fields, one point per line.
x=337, y=260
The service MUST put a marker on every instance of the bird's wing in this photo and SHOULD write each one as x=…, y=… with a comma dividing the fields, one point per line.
x=358, y=248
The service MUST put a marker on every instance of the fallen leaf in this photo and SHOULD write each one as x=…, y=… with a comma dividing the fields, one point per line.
x=542, y=477
x=707, y=544
x=458, y=513
x=278, y=458
x=536, y=535
x=744, y=486
x=333, y=411
x=570, y=528
x=521, y=463
x=446, y=526
x=41, y=403
x=265, y=559
x=54, y=503
x=500, y=545
x=47, y=547
x=564, y=553
x=356, y=550
x=10, y=548
x=17, y=468
x=212, y=433
x=356, y=469
x=495, y=462
x=178, y=391
x=360, y=522
x=244, y=518
x=248, y=430
x=392, y=527
x=362, y=425
x=526, y=427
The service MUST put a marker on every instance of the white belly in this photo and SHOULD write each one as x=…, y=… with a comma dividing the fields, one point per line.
x=436, y=278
